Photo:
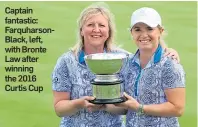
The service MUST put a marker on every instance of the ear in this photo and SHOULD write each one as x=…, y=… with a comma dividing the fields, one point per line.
x=81, y=32
x=161, y=31
x=131, y=35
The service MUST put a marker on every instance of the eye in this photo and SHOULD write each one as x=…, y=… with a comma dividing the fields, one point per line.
x=101, y=25
x=90, y=24
x=137, y=29
x=150, y=28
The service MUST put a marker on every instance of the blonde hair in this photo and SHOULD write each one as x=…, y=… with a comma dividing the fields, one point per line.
x=161, y=40
x=95, y=9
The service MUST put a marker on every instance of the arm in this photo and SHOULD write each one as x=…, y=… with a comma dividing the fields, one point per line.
x=173, y=107
x=65, y=107
x=173, y=84
x=61, y=86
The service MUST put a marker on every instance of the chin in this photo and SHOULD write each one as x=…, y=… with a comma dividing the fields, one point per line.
x=146, y=48
x=97, y=43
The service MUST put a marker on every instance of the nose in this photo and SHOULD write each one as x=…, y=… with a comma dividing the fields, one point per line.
x=144, y=34
x=96, y=28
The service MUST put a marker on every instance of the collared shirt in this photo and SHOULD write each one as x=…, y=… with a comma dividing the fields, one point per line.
x=81, y=57
x=71, y=76
x=147, y=86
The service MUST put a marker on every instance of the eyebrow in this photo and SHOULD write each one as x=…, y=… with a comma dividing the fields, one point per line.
x=136, y=27
x=139, y=27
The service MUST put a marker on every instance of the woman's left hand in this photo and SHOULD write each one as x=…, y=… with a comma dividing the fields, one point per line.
x=130, y=103
x=172, y=53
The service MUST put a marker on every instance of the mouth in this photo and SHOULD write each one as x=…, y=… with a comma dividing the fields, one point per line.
x=145, y=41
x=96, y=36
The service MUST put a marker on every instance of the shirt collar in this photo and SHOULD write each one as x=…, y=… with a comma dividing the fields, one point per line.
x=154, y=59
x=81, y=57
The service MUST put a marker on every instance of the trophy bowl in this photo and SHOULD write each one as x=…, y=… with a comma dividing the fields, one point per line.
x=106, y=87
x=105, y=63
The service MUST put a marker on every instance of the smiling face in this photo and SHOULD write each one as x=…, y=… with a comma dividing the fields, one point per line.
x=95, y=31
x=146, y=37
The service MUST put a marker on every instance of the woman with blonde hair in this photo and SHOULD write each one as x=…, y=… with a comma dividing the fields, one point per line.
x=71, y=77
x=155, y=85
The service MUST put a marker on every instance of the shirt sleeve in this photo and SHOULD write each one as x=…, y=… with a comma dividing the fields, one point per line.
x=60, y=76
x=173, y=75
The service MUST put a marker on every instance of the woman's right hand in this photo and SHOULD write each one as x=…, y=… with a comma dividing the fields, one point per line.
x=130, y=103
x=90, y=106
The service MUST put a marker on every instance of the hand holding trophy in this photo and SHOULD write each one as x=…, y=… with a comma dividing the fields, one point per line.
x=106, y=86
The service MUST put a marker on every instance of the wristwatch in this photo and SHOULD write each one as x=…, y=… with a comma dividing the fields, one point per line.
x=140, y=110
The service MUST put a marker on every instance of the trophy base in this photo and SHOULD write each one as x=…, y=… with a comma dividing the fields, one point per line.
x=108, y=101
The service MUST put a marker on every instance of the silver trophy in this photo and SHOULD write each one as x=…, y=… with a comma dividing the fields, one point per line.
x=106, y=86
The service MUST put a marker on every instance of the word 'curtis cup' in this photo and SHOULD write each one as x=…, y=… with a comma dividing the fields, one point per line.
x=106, y=85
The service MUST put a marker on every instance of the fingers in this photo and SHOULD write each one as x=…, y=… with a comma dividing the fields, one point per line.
x=85, y=101
x=90, y=106
x=166, y=52
x=88, y=98
x=127, y=96
x=124, y=104
x=174, y=56
x=169, y=52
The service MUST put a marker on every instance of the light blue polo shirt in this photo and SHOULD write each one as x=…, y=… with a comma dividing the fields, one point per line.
x=147, y=86
x=72, y=75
